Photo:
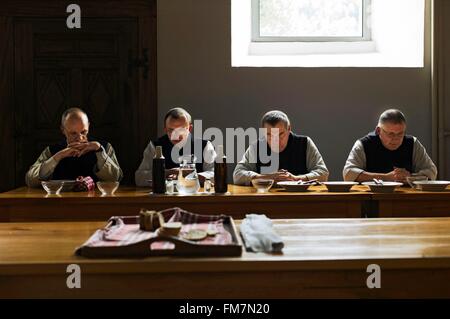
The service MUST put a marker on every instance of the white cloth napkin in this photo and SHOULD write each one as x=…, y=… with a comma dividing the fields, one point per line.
x=259, y=235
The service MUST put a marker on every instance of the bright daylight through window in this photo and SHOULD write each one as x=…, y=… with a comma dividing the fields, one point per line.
x=310, y=20
x=328, y=33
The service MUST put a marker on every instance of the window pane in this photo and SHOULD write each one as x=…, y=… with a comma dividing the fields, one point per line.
x=311, y=18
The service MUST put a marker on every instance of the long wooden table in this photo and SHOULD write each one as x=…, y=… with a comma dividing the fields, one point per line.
x=322, y=258
x=407, y=202
x=26, y=204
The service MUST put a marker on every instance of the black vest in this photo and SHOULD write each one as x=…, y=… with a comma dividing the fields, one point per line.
x=381, y=160
x=292, y=158
x=73, y=167
x=167, y=147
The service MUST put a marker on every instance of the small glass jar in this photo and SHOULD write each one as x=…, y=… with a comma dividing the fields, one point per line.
x=169, y=186
x=208, y=186
x=188, y=182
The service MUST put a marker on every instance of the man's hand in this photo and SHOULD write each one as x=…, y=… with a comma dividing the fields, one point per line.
x=280, y=176
x=397, y=175
x=390, y=177
x=401, y=174
x=283, y=176
x=67, y=152
x=85, y=148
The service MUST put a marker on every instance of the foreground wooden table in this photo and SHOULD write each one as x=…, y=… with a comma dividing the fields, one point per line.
x=26, y=204
x=322, y=258
x=407, y=202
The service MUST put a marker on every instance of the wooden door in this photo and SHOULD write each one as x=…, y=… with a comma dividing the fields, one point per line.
x=91, y=68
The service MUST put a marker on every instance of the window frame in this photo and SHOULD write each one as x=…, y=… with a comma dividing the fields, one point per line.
x=256, y=37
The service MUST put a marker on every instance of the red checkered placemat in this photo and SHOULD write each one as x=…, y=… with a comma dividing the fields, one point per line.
x=124, y=231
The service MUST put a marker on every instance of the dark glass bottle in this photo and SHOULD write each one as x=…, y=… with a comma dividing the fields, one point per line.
x=159, y=172
x=220, y=172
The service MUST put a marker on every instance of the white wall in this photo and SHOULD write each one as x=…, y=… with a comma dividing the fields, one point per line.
x=334, y=106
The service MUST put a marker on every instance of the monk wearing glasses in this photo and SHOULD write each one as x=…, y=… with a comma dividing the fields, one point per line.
x=388, y=153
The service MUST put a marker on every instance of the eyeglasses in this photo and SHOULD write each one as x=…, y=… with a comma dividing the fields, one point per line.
x=392, y=135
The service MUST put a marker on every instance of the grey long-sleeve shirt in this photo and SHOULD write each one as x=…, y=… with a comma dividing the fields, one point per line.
x=107, y=167
x=246, y=169
x=356, y=162
x=144, y=173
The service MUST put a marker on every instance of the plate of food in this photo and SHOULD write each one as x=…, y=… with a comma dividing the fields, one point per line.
x=296, y=186
x=382, y=186
x=339, y=187
x=432, y=186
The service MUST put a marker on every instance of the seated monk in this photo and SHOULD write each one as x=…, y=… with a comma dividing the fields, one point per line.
x=76, y=156
x=388, y=153
x=178, y=140
x=296, y=157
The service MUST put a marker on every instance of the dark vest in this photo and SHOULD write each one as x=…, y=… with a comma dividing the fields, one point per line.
x=292, y=158
x=72, y=167
x=381, y=160
x=167, y=147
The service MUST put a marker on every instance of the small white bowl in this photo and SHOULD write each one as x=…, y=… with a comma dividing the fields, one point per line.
x=432, y=186
x=339, y=187
x=52, y=187
x=386, y=187
x=415, y=178
x=293, y=186
x=108, y=188
x=262, y=185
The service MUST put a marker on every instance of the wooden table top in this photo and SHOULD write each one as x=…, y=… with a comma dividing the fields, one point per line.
x=27, y=204
x=33, y=248
x=235, y=192
x=408, y=193
x=33, y=204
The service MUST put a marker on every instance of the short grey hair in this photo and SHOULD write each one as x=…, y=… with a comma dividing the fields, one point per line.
x=178, y=113
x=274, y=117
x=392, y=116
x=71, y=112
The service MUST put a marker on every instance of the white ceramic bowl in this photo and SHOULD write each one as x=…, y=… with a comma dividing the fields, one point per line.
x=386, y=187
x=262, y=185
x=52, y=187
x=415, y=178
x=432, y=186
x=108, y=188
x=293, y=186
x=339, y=187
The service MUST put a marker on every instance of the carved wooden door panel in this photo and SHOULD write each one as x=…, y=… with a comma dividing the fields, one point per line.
x=57, y=68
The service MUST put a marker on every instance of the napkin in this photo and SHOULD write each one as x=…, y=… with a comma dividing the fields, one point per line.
x=84, y=184
x=259, y=235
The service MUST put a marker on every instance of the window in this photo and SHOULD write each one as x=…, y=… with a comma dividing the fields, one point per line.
x=310, y=20
x=329, y=33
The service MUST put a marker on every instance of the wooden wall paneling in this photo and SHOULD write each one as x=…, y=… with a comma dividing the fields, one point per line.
x=40, y=68
x=23, y=92
x=89, y=8
x=148, y=116
x=7, y=154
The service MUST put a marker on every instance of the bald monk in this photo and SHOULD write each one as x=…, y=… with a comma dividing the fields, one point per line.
x=76, y=156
